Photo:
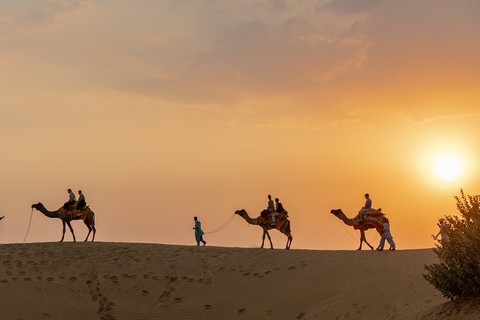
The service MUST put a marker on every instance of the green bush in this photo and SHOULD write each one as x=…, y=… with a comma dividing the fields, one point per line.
x=458, y=273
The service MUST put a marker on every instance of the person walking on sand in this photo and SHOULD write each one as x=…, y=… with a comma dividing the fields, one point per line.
x=386, y=236
x=368, y=204
x=198, y=232
x=443, y=226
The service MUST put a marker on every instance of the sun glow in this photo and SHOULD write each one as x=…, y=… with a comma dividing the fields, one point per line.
x=448, y=168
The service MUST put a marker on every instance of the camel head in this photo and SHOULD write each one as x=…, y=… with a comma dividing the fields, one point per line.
x=336, y=212
x=37, y=206
x=241, y=212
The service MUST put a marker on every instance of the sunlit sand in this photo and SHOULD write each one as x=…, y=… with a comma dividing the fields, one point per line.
x=153, y=281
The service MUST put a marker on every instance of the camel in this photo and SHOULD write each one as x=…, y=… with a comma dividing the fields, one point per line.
x=349, y=222
x=89, y=220
x=285, y=229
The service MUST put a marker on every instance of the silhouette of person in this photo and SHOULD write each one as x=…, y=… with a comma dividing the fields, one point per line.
x=198, y=232
x=81, y=200
x=270, y=206
x=368, y=204
x=442, y=225
x=386, y=236
x=278, y=210
x=71, y=200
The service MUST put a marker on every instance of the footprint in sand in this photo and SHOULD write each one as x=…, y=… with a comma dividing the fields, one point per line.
x=291, y=268
x=301, y=315
x=242, y=310
x=4, y=281
x=207, y=307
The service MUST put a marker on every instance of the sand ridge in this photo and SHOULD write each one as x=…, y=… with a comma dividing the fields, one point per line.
x=154, y=281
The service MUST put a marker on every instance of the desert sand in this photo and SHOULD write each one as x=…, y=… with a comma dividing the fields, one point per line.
x=154, y=281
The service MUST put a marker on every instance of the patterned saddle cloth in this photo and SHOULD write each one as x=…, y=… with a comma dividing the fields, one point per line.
x=372, y=217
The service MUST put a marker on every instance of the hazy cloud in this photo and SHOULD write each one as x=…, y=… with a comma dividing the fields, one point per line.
x=256, y=58
x=49, y=14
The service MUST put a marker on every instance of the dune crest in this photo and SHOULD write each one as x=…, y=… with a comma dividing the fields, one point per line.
x=147, y=281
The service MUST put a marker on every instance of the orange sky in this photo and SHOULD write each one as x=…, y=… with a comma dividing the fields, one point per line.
x=172, y=109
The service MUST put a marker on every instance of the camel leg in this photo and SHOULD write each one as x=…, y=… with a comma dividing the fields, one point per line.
x=363, y=239
x=91, y=227
x=288, y=233
x=289, y=239
x=63, y=234
x=89, y=230
x=269, y=239
x=71, y=230
x=380, y=232
x=263, y=237
x=94, y=231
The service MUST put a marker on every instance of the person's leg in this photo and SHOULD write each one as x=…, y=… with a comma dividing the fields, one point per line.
x=391, y=243
x=382, y=242
x=274, y=215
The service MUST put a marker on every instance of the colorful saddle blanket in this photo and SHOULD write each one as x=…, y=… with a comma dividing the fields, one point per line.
x=280, y=220
x=75, y=213
x=372, y=218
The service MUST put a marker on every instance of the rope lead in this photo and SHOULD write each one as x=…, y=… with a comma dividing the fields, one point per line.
x=222, y=226
x=31, y=214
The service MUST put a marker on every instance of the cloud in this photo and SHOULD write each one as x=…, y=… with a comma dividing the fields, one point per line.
x=254, y=58
x=53, y=11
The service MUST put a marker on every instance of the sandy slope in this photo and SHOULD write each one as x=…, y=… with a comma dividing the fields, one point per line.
x=151, y=281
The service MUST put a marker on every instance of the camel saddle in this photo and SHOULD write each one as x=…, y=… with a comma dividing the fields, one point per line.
x=372, y=217
x=266, y=217
x=74, y=212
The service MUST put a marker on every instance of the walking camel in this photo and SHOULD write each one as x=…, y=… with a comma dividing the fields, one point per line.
x=285, y=229
x=372, y=223
x=88, y=217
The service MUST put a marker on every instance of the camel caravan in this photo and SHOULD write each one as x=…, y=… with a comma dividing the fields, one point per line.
x=274, y=217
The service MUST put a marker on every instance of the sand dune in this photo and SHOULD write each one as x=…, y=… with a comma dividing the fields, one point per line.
x=152, y=281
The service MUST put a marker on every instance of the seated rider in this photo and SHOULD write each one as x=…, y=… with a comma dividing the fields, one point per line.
x=278, y=210
x=270, y=206
x=368, y=204
x=81, y=200
x=71, y=200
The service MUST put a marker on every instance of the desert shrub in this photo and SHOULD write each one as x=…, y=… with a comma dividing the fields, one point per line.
x=458, y=273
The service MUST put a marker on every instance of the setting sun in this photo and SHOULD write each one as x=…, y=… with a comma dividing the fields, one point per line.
x=448, y=167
